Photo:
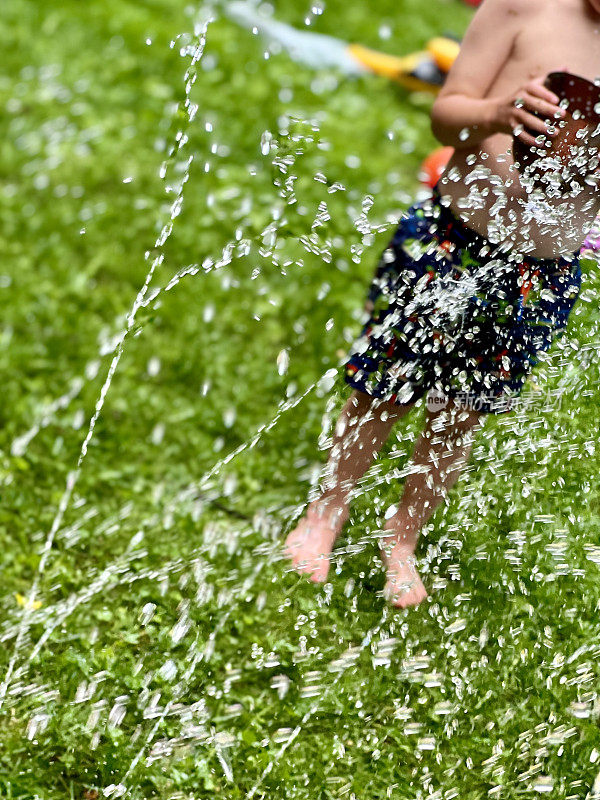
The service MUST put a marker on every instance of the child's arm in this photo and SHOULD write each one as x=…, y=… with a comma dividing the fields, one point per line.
x=462, y=105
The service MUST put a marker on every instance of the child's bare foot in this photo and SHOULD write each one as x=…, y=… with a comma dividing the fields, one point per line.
x=403, y=586
x=310, y=544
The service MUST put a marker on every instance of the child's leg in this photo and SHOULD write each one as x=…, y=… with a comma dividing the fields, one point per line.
x=362, y=428
x=441, y=451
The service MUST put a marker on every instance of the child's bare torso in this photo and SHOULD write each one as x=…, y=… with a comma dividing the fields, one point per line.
x=556, y=35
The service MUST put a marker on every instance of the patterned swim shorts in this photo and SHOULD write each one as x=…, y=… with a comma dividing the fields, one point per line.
x=449, y=313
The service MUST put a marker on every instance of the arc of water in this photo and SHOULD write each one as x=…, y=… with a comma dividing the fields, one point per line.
x=181, y=497
x=21, y=442
x=73, y=476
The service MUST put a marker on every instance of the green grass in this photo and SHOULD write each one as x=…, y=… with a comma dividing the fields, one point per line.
x=163, y=586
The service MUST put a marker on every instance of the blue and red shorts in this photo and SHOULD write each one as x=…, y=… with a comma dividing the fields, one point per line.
x=450, y=313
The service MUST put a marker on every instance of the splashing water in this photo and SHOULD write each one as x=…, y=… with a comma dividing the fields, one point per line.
x=162, y=645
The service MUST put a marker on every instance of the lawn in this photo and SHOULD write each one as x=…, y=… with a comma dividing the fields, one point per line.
x=171, y=337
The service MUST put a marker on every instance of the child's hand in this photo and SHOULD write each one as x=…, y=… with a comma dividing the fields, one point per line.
x=515, y=114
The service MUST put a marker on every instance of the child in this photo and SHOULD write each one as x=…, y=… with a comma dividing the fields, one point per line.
x=474, y=284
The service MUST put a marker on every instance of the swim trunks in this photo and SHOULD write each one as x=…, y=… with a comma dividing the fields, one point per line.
x=449, y=312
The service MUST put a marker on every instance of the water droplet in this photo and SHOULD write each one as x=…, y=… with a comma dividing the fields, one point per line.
x=229, y=416
x=352, y=161
x=283, y=361
x=426, y=743
x=168, y=670
x=265, y=143
x=158, y=433
x=457, y=626
x=153, y=367
x=147, y=613
x=543, y=784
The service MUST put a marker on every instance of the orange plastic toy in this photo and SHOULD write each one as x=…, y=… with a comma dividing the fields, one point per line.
x=434, y=165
